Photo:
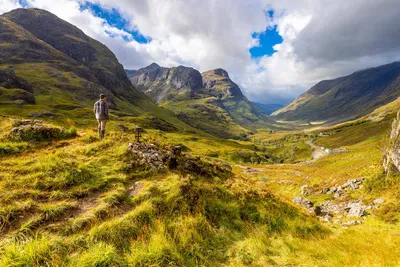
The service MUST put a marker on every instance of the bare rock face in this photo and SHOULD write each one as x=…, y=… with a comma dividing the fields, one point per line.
x=392, y=156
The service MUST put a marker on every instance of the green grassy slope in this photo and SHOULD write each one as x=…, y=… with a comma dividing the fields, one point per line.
x=72, y=203
x=347, y=97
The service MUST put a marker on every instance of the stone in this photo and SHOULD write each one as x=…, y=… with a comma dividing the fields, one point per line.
x=339, y=192
x=28, y=130
x=305, y=190
x=249, y=171
x=355, y=209
x=303, y=202
x=378, y=201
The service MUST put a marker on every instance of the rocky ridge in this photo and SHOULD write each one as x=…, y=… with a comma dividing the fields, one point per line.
x=392, y=155
x=155, y=157
x=335, y=210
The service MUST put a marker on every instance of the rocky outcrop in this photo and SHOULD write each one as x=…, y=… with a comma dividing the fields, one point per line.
x=19, y=90
x=339, y=208
x=8, y=79
x=338, y=191
x=35, y=130
x=392, y=154
x=306, y=203
x=157, y=158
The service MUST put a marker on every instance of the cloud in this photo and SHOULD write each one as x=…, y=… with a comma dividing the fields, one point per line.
x=321, y=38
x=7, y=5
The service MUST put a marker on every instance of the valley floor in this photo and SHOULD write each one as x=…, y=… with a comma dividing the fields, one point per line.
x=74, y=202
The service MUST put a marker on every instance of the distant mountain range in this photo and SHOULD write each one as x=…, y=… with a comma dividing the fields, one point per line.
x=209, y=101
x=267, y=109
x=346, y=97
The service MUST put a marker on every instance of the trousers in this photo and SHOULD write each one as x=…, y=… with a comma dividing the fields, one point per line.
x=102, y=125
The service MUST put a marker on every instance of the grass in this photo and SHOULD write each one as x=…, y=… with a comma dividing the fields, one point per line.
x=71, y=202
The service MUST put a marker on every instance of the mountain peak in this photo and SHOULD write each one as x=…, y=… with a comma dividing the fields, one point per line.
x=153, y=65
x=218, y=72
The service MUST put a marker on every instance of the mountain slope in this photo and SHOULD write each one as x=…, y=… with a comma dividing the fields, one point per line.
x=64, y=71
x=346, y=97
x=210, y=101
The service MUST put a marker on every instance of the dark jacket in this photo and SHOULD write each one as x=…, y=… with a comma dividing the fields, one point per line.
x=101, y=110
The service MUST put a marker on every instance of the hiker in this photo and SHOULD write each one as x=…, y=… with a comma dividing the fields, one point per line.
x=101, y=112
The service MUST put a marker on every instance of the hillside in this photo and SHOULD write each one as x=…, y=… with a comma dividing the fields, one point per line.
x=346, y=97
x=85, y=202
x=57, y=70
x=210, y=101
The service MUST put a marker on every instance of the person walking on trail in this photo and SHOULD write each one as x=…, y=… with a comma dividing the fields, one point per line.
x=101, y=112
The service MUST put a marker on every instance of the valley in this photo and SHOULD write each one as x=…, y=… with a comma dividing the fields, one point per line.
x=92, y=193
x=190, y=172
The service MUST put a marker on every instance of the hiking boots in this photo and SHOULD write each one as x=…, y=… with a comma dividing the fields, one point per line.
x=101, y=134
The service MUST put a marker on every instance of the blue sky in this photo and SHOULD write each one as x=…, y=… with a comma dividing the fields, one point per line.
x=114, y=18
x=267, y=40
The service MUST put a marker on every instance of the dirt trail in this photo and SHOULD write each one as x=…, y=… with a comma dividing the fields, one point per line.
x=317, y=153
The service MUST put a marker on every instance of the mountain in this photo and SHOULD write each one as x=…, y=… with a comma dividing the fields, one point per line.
x=130, y=73
x=210, y=101
x=267, y=109
x=346, y=97
x=48, y=64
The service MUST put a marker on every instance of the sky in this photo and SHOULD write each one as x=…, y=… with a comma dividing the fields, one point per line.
x=273, y=49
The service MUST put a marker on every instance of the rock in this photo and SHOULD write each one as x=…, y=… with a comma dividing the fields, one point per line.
x=249, y=171
x=21, y=96
x=28, y=130
x=303, y=202
x=378, y=201
x=158, y=158
x=331, y=190
x=305, y=190
x=9, y=80
x=355, y=209
x=392, y=154
x=339, y=192
x=325, y=190
x=331, y=207
x=176, y=150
